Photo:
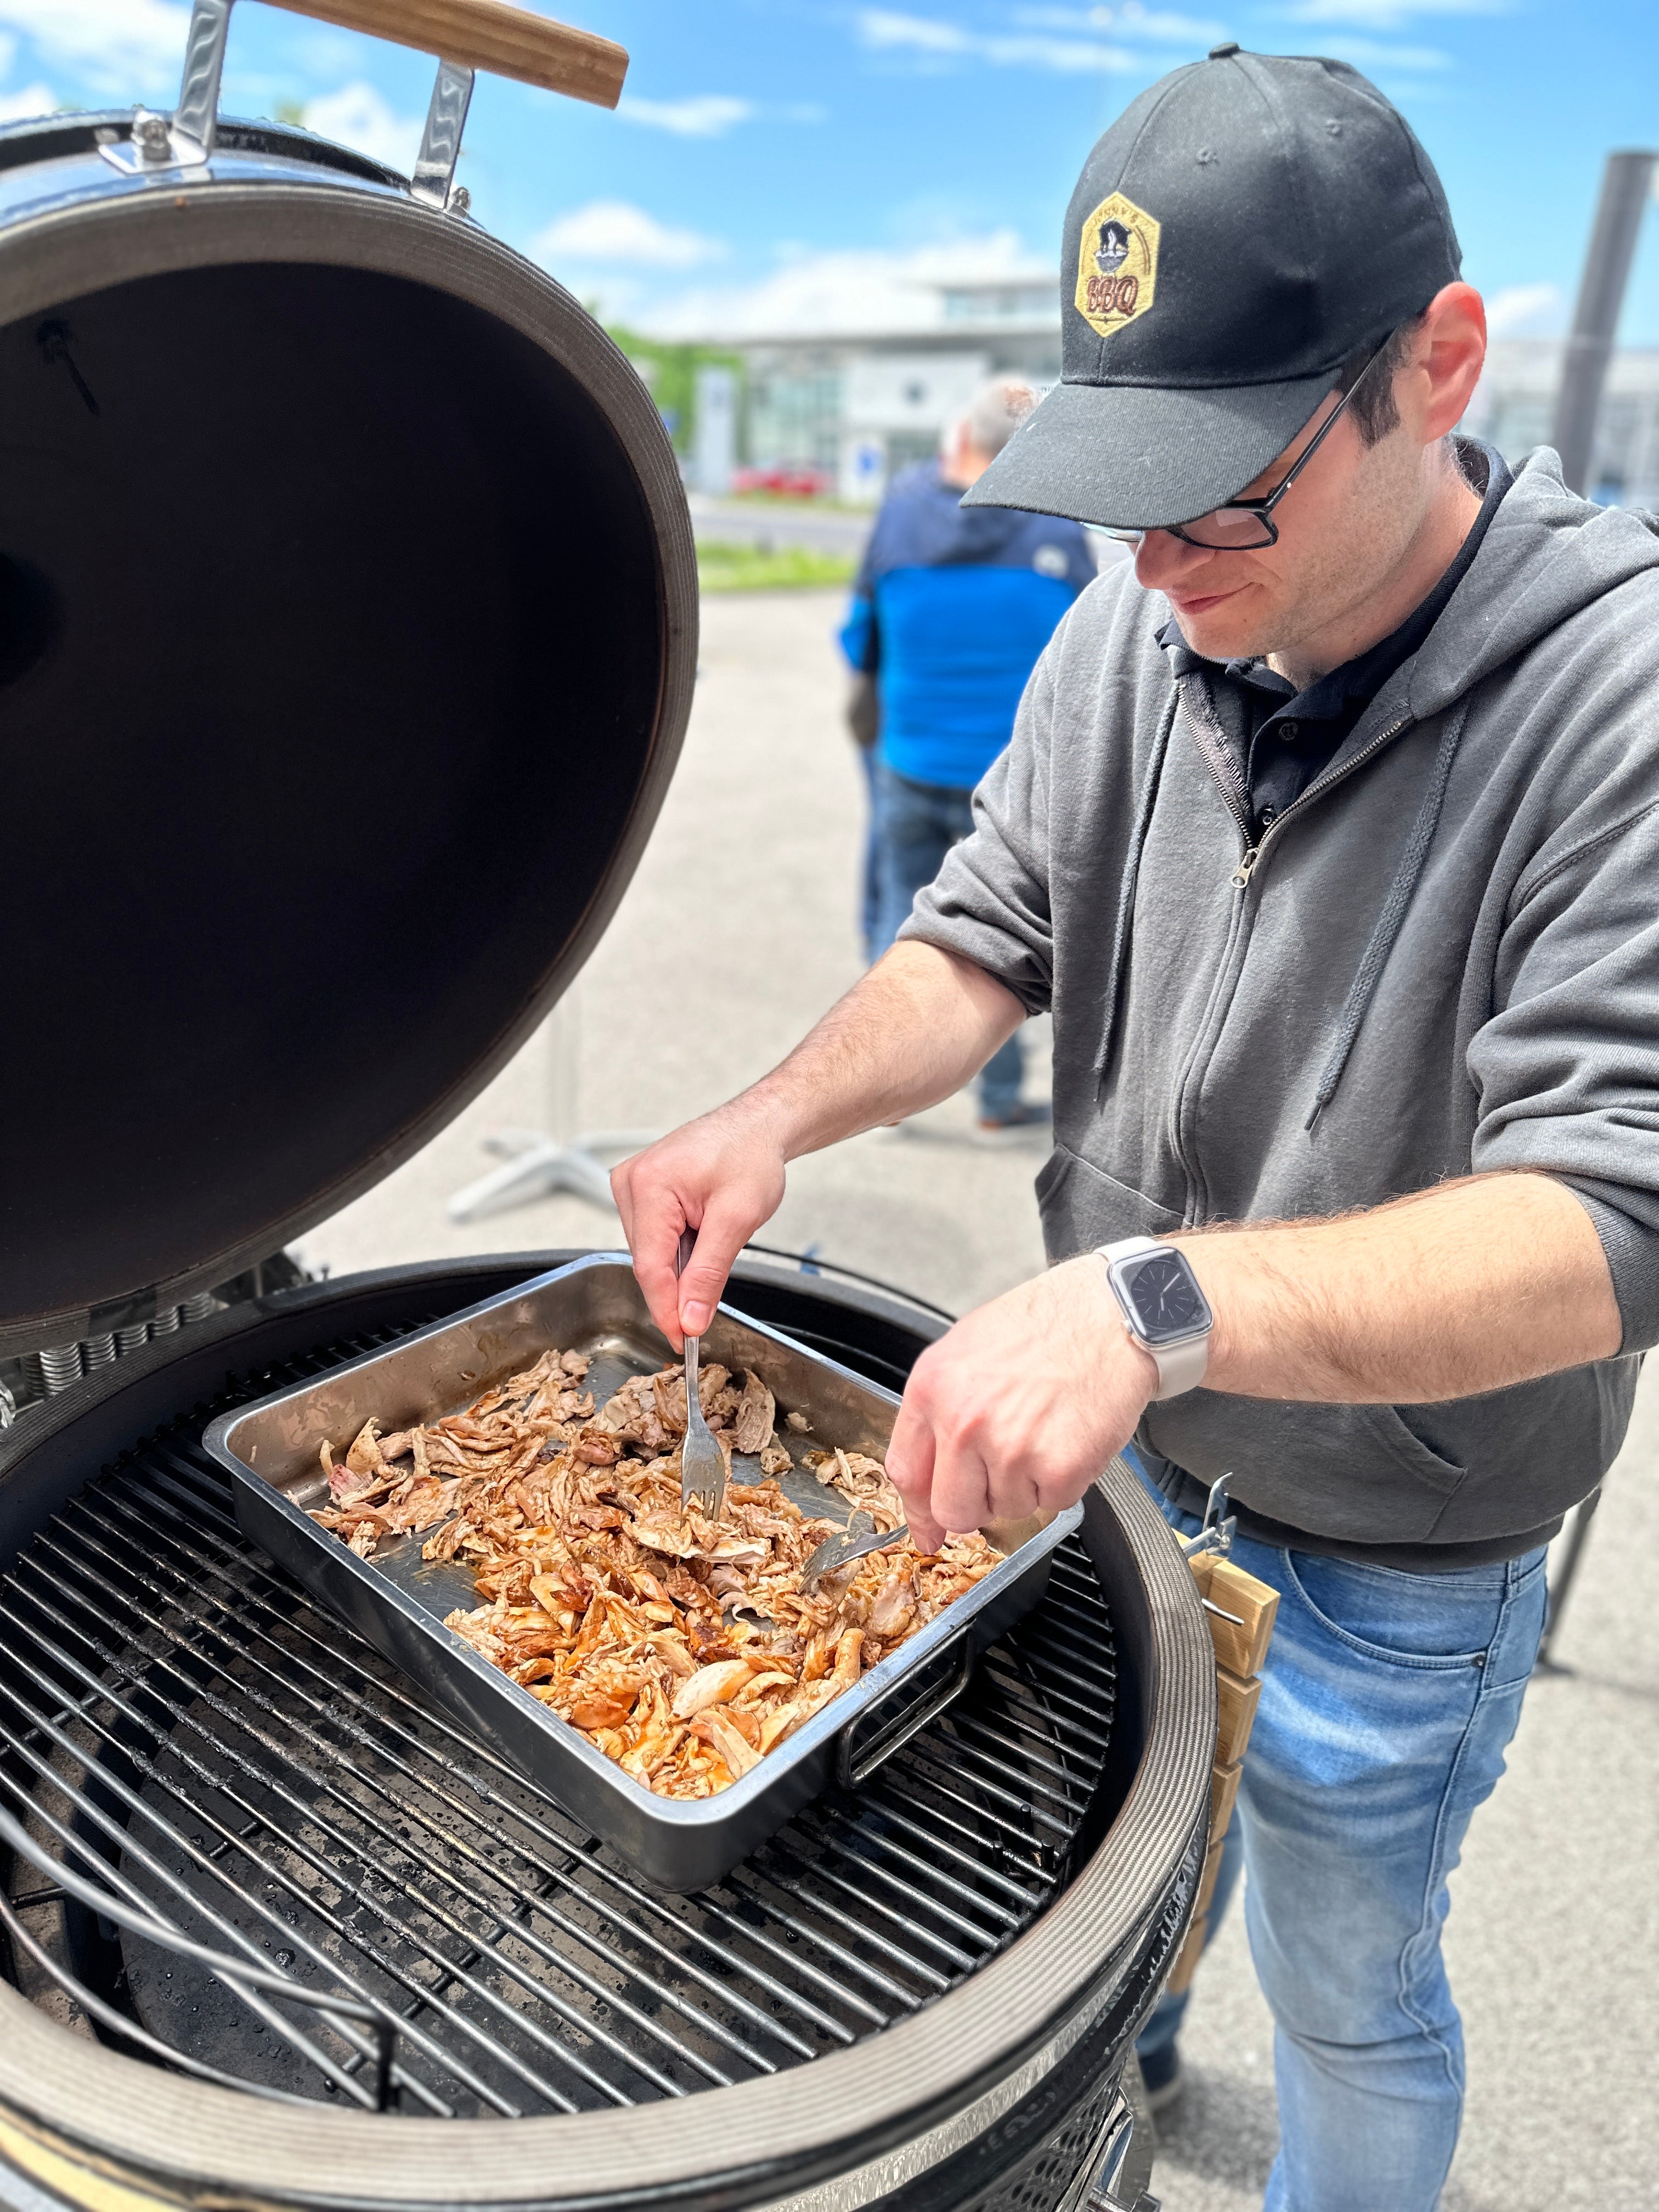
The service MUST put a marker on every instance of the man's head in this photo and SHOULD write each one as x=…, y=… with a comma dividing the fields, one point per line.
x=1354, y=512
x=984, y=428
x=1244, y=237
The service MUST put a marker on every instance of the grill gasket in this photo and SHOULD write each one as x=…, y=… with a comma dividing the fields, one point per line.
x=870, y=1906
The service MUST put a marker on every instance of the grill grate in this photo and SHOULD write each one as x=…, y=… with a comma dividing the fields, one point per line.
x=248, y=1770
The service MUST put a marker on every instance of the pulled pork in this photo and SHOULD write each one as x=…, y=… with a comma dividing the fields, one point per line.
x=684, y=1649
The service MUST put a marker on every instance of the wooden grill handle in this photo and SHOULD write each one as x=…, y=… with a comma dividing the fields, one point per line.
x=487, y=34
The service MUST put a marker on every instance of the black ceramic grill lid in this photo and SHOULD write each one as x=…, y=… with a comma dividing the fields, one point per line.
x=347, y=635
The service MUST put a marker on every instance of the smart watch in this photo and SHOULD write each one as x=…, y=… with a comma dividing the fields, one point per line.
x=1164, y=1309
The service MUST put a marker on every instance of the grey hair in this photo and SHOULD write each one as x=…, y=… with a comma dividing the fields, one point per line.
x=996, y=411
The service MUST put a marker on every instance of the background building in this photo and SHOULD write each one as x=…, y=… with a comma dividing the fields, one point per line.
x=857, y=403
x=1514, y=403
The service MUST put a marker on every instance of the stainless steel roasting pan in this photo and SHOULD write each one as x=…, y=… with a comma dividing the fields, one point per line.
x=398, y=1602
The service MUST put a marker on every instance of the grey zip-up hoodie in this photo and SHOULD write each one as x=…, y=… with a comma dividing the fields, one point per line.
x=1444, y=958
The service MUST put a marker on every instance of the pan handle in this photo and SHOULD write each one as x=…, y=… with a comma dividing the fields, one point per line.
x=487, y=34
x=851, y=1773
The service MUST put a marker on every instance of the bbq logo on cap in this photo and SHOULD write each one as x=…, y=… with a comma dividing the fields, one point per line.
x=1117, y=265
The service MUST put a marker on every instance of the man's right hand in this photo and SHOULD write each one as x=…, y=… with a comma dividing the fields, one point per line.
x=722, y=1175
x=906, y=1034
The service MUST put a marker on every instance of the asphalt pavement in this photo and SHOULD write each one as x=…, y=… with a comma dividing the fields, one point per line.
x=1553, y=1939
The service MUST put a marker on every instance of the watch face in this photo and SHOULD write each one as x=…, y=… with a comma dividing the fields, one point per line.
x=1163, y=1296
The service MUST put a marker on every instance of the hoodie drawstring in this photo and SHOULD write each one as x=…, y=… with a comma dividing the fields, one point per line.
x=1389, y=922
x=1126, y=905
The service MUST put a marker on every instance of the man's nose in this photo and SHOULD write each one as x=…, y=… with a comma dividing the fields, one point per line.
x=1159, y=558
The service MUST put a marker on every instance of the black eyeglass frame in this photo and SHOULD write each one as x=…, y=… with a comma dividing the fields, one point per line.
x=1260, y=508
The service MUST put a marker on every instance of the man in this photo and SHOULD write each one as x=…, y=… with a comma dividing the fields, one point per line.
x=952, y=609
x=1329, y=835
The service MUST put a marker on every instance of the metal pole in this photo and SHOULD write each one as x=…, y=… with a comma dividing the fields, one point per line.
x=1600, y=295
x=1562, y=1580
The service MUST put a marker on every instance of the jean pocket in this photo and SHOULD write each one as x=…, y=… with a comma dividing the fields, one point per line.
x=1437, y=1622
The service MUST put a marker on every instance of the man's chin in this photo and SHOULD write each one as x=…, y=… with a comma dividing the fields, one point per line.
x=1224, y=626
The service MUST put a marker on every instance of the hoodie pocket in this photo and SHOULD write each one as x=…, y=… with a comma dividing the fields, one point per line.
x=1081, y=1207
x=1352, y=1473
x=1418, y=1458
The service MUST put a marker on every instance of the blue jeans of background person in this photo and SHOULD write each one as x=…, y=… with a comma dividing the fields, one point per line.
x=915, y=826
x=1387, y=1702
x=869, y=878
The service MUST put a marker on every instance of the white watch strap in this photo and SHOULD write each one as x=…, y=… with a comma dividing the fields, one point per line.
x=1180, y=1367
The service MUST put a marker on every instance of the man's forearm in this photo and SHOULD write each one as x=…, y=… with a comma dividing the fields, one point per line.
x=911, y=1032
x=1467, y=1287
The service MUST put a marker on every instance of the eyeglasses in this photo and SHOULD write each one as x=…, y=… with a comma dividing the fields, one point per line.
x=1245, y=525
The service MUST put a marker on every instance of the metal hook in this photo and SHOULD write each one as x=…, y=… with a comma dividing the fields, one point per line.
x=1220, y=1526
x=433, y=181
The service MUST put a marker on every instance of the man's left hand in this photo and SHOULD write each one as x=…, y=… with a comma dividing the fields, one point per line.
x=1019, y=1406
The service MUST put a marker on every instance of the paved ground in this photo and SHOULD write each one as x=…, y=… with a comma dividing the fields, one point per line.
x=1555, y=1934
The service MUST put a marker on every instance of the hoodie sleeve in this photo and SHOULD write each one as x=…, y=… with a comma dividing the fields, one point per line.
x=989, y=901
x=1567, y=1069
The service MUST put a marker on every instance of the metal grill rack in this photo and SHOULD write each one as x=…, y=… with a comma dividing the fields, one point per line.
x=239, y=1764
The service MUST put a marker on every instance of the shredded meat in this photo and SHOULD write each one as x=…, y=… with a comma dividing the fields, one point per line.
x=684, y=1649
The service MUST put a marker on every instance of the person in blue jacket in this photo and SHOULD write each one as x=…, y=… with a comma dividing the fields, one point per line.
x=951, y=610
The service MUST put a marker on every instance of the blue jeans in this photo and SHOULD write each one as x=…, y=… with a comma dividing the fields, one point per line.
x=915, y=826
x=1387, y=1700
x=869, y=880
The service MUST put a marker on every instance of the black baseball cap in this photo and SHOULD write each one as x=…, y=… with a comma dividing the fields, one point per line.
x=1246, y=224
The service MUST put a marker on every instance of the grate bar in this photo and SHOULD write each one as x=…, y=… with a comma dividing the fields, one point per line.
x=938, y=1839
x=855, y=1843
x=945, y=1784
x=1056, y=1700
x=872, y=1840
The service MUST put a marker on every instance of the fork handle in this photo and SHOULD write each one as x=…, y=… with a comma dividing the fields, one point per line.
x=693, y=1387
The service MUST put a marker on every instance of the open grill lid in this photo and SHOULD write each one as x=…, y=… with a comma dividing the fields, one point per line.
x=347, y=637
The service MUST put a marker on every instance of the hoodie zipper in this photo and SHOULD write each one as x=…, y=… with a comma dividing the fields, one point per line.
x=1250, y=857
x=1218, y=758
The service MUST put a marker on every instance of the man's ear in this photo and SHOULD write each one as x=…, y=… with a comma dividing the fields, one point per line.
x=1435, y=386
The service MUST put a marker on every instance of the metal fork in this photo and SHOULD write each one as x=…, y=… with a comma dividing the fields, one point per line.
x=855, y=1542
x=703, y=1469
x=861, y=1536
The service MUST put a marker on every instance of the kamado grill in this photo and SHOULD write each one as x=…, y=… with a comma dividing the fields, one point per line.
x=347, y=631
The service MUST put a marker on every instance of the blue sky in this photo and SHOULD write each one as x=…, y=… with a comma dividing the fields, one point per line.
x=768, y=147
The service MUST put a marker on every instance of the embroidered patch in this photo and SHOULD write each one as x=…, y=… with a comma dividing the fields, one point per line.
x=1117, y=265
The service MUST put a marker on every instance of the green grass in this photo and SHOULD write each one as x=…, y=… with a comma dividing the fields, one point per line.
x=726, y=567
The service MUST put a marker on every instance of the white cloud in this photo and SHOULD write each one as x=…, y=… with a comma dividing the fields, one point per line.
x=358, y=115
x=114, y=44
x=1385, y=15
x=929, y=41
x=1129, y=20
x=702, y=115
x=20, y=107
x=840, y=293
x=1373, y=54
x=1526, y=311
x=615, y=231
